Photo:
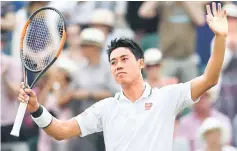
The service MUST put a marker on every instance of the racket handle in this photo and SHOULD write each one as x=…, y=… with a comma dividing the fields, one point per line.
x=19, y=119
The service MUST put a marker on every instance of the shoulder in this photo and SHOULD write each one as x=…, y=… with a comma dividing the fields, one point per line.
x=221, y=116
x=106, y=103
x=175, y=87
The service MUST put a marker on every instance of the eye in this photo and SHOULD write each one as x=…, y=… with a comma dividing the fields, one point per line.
x=112, y=62
x=124, y=59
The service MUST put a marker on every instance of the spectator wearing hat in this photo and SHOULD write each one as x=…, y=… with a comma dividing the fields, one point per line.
x=190, y=123
x=7, y=24
x=72, y=50
x=180, y=143
x=226, y=89
x=214, y=133
x=104, y=20
x=94, y=82
x=177, y=31
x=10, y=77
x=153, y=59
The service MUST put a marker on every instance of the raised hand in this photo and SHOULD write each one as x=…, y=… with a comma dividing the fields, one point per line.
x=217, y=19
x=28, y=96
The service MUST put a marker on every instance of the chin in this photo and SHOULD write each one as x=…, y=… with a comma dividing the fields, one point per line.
x=123, y=81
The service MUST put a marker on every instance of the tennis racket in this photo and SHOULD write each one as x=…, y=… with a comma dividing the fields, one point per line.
x=42, y=39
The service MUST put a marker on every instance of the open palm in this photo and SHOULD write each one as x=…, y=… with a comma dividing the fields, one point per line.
x=217, y=19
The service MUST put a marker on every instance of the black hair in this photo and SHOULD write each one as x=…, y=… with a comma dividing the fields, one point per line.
x=127, y=43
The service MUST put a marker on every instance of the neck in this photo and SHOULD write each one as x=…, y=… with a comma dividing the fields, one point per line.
x=213, y=147
x=203, y=114
x=135, y=90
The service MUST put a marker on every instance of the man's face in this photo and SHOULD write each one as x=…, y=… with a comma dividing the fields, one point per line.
x=73, y=35
x=213, y=137
x=89, y=51
x=124, y=66
x=152, y=71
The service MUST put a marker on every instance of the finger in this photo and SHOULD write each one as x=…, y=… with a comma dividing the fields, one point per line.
x=214, y=9
x=29, y=92
x=225, y=14
x=208, y=8
x=21, y=100
x=219, y=10
x=21, y=91
x=22, y=85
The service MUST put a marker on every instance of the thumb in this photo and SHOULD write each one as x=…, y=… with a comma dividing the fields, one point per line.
x=30, y=92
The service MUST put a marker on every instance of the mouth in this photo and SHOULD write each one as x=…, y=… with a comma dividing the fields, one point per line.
x=120, y=73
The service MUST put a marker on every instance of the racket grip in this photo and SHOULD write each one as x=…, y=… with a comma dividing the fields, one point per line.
x=19, y=119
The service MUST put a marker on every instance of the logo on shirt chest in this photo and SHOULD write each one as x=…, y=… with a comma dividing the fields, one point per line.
x=148, y=106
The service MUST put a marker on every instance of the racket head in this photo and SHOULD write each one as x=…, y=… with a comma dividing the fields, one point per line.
x=42, y=39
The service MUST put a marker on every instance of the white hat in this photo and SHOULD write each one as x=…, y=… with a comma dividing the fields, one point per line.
x=103, y=16
x=231, y=10
x=152, y=56
x=67, y=65
x=92, y=36
x=211, y=124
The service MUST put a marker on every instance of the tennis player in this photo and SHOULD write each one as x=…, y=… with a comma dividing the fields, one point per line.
x=138, y=118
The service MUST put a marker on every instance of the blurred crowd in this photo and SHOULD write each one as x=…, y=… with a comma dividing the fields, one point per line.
x=177, y=43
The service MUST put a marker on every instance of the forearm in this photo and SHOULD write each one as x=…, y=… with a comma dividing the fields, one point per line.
x=61, y=130
x=148, y=9
x=196, y=12
x=64, y=99
x=213, y=69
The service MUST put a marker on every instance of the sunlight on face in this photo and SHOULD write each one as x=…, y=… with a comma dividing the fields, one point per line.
x=213, y=137
x=124, y=66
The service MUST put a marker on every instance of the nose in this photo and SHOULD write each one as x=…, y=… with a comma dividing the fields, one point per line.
x=119, y=66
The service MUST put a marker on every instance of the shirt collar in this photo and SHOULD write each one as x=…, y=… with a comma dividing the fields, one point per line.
x=147, y=92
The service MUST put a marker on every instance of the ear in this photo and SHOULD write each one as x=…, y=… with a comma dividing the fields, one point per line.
x=141, y=63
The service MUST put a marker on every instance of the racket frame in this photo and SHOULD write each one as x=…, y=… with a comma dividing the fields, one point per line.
x=22, y=107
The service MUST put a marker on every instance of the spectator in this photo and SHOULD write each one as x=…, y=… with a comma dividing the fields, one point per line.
x=215, y=135
x=177, y=35
x=144, y=28
x=104, y=20
x=235, y=131
x=7, y=25
x=190, y=123
x=73, y=52
x=94, y=82
x=226, y=90
x=153, y=60
x=180, y=143
x=10, y=79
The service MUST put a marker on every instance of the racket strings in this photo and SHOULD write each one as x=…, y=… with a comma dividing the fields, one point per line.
x=42, y=39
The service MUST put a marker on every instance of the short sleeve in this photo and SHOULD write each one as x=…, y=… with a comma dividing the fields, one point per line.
x=180, y=95
x=91, y=120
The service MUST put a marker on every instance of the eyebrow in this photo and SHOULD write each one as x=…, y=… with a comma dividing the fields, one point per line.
x=119, y=57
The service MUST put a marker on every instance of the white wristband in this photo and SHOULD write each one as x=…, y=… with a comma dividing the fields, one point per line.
x=44, y=119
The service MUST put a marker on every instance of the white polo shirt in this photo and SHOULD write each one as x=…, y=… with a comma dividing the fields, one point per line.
x=145, y=125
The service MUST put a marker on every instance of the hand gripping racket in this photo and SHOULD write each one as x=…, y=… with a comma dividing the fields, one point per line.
x=41, y=42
